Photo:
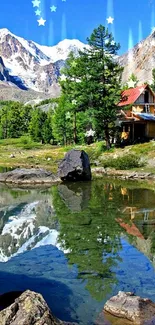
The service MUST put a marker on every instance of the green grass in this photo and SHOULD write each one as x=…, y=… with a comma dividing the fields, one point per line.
x=125, y=162
x=31, y=154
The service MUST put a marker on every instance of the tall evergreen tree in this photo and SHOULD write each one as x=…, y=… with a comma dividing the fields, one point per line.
x=93, y=80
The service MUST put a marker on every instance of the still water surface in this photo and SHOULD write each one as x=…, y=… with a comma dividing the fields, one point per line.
x=78, y=244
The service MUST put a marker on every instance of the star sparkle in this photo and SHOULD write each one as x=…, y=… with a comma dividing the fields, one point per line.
x=38, y=12
x=74, y=64
x=153, y=42
x=74, y=101
x=43, y=76
x=141, y=89
x=131, y=83
x=36, y=3
x=110, y=20
x=41, y=22
x=63, y=77
x=53, y=8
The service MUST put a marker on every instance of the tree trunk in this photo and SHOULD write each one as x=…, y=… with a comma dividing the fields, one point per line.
x=74, y=127
x=107, y=139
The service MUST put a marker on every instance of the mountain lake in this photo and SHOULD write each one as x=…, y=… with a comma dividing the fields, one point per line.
x=78, y=244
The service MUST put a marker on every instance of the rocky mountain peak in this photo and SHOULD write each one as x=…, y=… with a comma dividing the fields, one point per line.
x=33, y=66
x=140, y=60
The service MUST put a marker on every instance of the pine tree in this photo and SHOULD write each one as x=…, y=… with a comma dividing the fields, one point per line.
x=93, y=81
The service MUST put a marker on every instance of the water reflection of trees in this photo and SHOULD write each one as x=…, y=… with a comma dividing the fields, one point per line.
x=90, y=235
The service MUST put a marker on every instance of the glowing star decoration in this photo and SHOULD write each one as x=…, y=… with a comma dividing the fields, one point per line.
x=131, y=83
x=74, y=101
x=41, y=22
x=68, y=115
x=110, y=20
x=43, y=76
x=53, y=8
x=74, y=64
x=90, y=133
x=112, y=42
x=63, y=77
x=36, y=3
x=141, y=90
x=38, y=12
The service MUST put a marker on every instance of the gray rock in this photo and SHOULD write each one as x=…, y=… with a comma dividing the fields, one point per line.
x=75, y=166
x=28, y=176
x=75, y=197
x=29, y=309
x=140, y=311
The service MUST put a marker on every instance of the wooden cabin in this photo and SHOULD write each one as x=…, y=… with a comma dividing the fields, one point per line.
x=136, y=116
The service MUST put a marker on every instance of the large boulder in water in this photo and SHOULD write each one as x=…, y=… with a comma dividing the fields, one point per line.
x=75, y=166
x=29, y=309
x=126, y=305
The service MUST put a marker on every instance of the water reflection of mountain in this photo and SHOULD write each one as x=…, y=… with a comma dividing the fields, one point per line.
x=85, y=220
x=26, y=220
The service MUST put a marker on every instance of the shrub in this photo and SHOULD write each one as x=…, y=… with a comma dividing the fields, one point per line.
x=124, y=162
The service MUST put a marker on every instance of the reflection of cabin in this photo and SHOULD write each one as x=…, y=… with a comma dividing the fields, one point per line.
x=137, y=113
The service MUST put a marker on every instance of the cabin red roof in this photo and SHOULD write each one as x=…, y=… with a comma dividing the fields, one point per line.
x=129, y=96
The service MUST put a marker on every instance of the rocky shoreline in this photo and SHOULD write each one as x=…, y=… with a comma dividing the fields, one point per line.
x=39, y=176
x=122, y=174
x=30, y=308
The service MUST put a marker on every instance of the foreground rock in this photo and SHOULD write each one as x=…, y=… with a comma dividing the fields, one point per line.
x=29, y=309
x=28, y=176
x=126, y=305
x=75, y=166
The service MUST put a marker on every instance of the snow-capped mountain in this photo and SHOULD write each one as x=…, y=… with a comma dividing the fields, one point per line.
x=33, y=66
x=29, y=71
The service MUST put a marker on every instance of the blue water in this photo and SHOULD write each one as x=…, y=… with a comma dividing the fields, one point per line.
x=83, y=256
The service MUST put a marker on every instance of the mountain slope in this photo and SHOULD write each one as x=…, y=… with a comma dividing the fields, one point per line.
x=29, y=71
x=140, y=60
x=32, y=66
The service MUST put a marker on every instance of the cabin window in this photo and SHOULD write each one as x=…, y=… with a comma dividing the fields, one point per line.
x=146, y=96
x=147, y=108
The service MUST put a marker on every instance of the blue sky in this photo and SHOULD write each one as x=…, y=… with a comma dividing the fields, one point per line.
x=78, y=18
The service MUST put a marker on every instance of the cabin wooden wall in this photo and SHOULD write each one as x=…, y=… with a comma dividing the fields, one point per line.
x=150, y=129
x=140, y=109
x=140, y=100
